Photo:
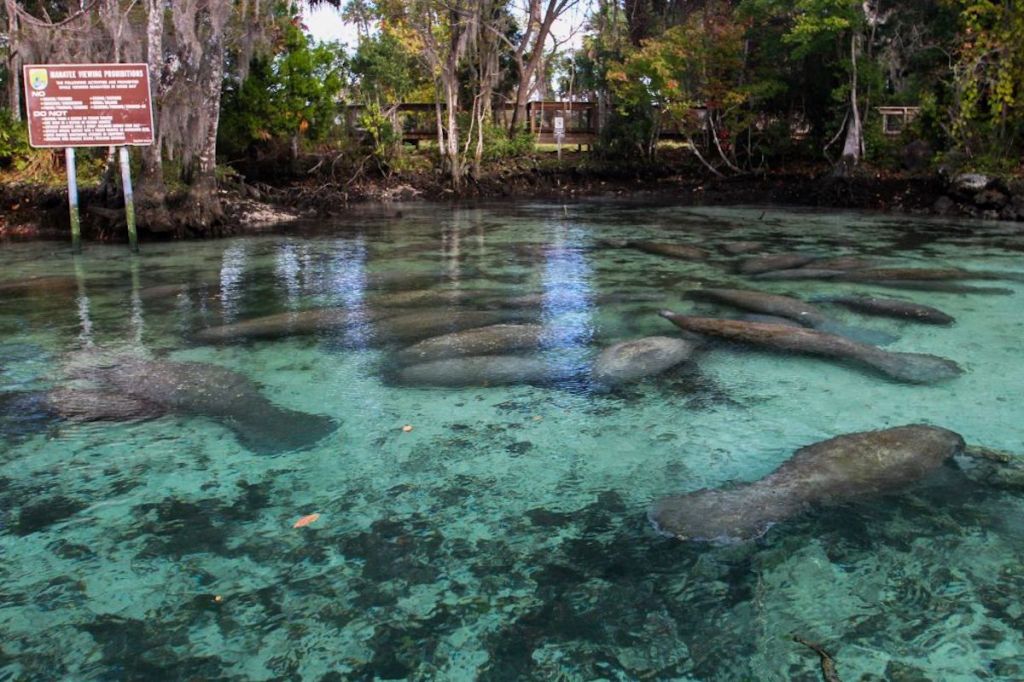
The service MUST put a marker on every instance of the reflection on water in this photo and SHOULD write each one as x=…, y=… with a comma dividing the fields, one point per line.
x=287, y=268
x=348, y=282
x=232, y=274
x=503, y=535
x=567, y=308
x=85, y=334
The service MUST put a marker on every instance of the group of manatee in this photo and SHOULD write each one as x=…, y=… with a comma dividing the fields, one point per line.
x=845, y=468
x=500, y=340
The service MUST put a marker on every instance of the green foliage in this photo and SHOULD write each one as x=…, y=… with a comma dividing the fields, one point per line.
x=990, y=78
x=384, y=70
x=14, y=149
x=695, y=79
x=629, y=133
x=385, y=140
x=291, y=95
x=818, y=24
x=883, y=150
x=498, y=146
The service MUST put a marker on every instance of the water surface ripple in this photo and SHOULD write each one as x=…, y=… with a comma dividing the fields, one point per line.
x=504, y=536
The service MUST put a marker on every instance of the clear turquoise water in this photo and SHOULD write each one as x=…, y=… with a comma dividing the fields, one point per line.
x=504, y=537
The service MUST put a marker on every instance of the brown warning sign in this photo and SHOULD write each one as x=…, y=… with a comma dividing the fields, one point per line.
x=88, y=105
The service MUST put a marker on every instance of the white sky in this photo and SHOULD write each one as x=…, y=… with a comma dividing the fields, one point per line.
x=325, y=24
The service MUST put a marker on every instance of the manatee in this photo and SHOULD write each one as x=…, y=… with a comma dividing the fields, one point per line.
x=424, y=297
x=496, y=339
x=819, y=268
x=414, y=326
x=892, y=307
x=799, y=273
x=778, y=261
x=836, y=471
x=680, y=251
x=916, y=368
x=914, y=274
x=561, y=298
x=792, y=308
x=485, y=370
x=739, y=248
x=767, y=304
x=842, y=263
x=124, y=388
x=33, y=286
x=283, y=325
x=943, y=287
x=24, y=413
x=163, y=291
x=770, y=319
x=633, y=360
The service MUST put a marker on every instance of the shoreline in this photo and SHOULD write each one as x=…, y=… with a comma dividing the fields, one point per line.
x=29, y=212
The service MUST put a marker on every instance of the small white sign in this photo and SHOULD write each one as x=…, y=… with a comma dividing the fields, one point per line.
x=559, y=126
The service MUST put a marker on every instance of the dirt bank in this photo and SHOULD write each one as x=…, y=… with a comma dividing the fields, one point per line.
x=28, y=212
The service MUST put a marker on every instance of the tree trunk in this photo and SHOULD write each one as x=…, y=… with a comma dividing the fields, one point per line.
x=151, y=198
x=451, y=92
x=528, y=68
x=854, y=134
x=440, y=126
x=13, y=61
x=205, y=204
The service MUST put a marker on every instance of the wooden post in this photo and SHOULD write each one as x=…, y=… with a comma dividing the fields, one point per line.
x=76, y=223
x=129, y=200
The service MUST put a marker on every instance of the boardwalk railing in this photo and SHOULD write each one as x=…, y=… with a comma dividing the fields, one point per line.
x=419, y=121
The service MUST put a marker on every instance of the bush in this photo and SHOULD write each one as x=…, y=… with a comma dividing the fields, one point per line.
x=498, y=145
x=628, y=135
x=14, y=149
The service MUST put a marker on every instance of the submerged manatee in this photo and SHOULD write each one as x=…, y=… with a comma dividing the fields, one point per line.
x=426, y=297
x=892, y=307
x=415, y=326
x=914, y=274
x=766, y=304
x=942, y=287
x=834, y=471
x=24, y=413
x=770, y=319
x=38, y=286
x=842, y=263
x=485, y=370
x=634, y=360
x=915, y=368
x=496, y=339
x=739, y=248
x=805, y=272
x=680, y=251
x=794, y=309
x=778, y=261
x=283, y=325
x=124, y=388
x=163, y=291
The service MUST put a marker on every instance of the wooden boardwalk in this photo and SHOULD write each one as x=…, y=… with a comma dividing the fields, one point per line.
x=419, y=121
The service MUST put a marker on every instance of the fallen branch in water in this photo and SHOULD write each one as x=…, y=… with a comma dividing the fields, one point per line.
x=828, y=664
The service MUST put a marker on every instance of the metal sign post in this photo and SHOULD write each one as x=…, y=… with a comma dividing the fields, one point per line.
x=90, y=105
x=559, y=134
x=76, y=222
x=129, y=199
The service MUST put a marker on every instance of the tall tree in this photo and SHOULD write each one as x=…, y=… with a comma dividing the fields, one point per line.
x=990, y=76
x=443, y=31
x=530, y=50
